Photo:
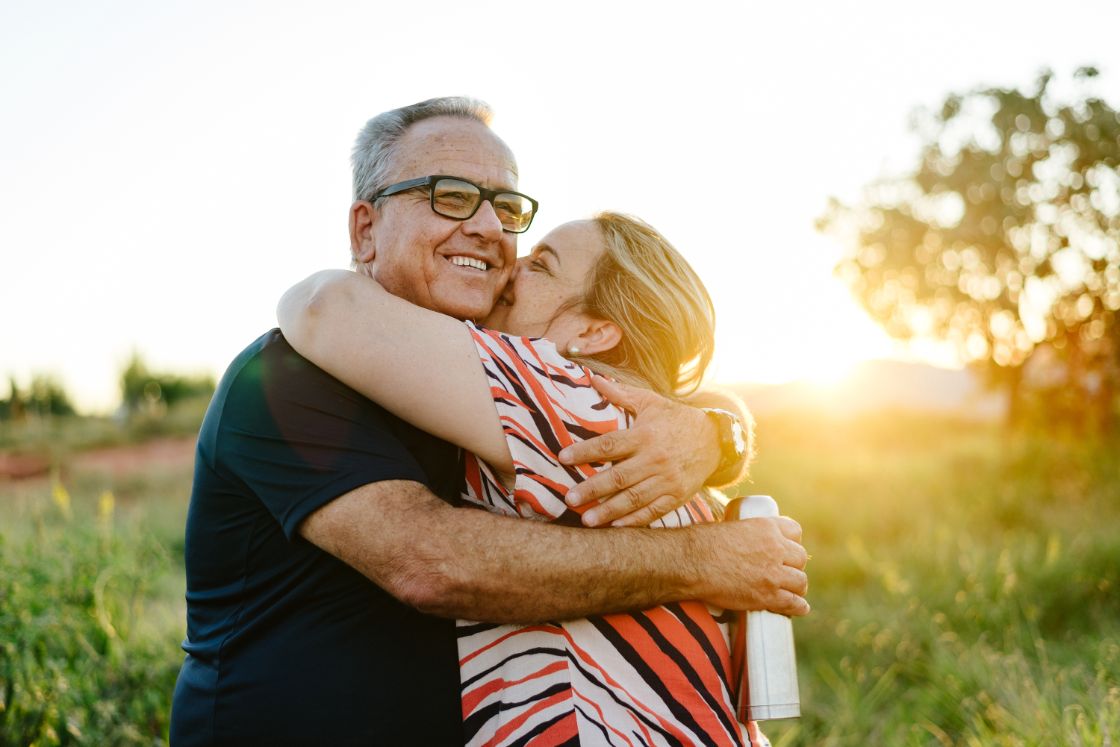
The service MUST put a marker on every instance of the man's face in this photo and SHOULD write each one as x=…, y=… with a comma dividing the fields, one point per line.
x=416, y=251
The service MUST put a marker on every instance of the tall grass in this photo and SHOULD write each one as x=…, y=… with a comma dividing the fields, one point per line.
x=964, y=585
x=91, y=612
x=964, y=590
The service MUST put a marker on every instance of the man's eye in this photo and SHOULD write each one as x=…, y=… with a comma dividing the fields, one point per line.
x=453, y=198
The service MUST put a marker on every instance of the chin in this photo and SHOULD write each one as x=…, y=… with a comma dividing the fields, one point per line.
x=475, y=310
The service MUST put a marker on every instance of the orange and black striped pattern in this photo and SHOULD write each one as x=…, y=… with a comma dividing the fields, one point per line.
x=656, y=677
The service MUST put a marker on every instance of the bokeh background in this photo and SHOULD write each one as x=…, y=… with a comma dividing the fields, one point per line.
x=908, y=217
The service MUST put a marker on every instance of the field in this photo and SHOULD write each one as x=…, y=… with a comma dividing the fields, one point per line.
x=964, y=588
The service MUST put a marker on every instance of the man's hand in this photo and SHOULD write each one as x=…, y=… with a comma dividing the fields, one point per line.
x=763, y=566
x=659, y=463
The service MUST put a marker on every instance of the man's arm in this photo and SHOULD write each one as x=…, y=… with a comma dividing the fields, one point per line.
x=471, y=564
x=670, y=452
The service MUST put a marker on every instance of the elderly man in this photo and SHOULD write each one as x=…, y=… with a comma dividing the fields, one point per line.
x=305, y=492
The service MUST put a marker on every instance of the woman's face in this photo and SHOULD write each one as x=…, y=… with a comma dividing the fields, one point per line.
x=537, y=301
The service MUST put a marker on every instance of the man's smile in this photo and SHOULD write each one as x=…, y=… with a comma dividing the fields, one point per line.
x=461, y=260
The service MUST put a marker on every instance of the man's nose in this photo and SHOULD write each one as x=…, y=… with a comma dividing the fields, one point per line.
x=484, y=223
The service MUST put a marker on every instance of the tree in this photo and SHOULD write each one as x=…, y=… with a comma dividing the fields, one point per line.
x=44, y=397
x=143, y=390
x=47, y=397
x=1004, y=241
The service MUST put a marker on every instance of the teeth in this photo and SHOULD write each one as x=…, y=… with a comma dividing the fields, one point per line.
x=477, y=264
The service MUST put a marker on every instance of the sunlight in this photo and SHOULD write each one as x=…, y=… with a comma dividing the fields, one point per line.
x=734, y=364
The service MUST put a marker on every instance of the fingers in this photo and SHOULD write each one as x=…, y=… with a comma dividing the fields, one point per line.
x=789, y=528
x=618, y=505
x=790, y=604
x=615, y=479
x=637, y=506
x=609, y=447
x=643, y=517
x=628, y=398
x=795, y=555
x=795, y=580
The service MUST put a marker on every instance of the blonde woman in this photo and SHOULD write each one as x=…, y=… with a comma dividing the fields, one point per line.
x=603, y=296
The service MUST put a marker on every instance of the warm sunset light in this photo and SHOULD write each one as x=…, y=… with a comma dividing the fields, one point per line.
x=389, y=526
x=198, y=185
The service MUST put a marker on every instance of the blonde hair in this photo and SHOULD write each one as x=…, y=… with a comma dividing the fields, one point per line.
x=643, y=284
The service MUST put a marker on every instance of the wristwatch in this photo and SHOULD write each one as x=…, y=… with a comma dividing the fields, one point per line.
x=732, y=439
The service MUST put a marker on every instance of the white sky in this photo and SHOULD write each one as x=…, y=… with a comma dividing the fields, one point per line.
x=168, y=169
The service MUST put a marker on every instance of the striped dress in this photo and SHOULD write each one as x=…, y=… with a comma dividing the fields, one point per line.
x=656, y=677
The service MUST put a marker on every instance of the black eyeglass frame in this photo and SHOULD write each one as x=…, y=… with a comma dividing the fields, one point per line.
x=484, y=195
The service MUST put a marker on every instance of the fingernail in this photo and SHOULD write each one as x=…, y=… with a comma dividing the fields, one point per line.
x=563, y=455
x=591, y=519
x=573, y=498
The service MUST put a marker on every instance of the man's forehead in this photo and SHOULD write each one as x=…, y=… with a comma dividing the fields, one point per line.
x=450, y=145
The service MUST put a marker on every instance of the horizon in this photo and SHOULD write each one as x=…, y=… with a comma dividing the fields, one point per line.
x=208, y=171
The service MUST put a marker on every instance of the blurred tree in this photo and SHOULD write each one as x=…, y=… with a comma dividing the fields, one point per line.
x=145, y=391
x=14, y=407
x=47, y=397
x=1005, y=242
x=44, y=397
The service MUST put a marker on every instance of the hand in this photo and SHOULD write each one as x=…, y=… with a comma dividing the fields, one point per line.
x=658, y=464
x=757, y=564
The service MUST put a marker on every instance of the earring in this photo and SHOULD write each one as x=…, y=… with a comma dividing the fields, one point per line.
x=573, y=350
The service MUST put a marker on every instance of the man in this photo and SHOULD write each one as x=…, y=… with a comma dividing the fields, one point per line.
x=305, y=492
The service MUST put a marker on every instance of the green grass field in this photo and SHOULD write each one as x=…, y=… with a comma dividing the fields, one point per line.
x=964, y=590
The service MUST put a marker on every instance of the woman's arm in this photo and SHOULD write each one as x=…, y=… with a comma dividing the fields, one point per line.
x=418, y=364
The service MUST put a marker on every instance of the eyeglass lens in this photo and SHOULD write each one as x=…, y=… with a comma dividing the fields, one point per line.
x=458, y=199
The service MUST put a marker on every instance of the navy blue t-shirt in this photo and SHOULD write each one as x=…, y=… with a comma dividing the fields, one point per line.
x=285, y=643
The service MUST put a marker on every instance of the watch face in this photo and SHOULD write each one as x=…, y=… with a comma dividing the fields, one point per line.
x=737, y=438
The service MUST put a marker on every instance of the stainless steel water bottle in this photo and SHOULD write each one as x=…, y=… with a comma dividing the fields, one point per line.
x=768, y=680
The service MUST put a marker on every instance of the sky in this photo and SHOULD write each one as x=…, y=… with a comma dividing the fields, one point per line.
x=168, y=169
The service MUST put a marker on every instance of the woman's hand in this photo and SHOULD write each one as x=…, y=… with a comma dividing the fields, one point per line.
x=658, y=464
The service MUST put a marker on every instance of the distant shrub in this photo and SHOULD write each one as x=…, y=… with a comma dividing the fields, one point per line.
x=44, y=397
x=146, y=392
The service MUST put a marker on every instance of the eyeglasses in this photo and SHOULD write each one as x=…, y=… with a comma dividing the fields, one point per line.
x=459, y=199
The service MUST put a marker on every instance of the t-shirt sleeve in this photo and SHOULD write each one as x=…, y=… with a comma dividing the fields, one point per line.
x=298, y=438
x=545, y=403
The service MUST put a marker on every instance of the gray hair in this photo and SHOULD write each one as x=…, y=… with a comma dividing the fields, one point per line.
x=376, y=146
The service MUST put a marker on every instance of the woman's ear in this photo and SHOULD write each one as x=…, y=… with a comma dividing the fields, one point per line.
x=362, y=217
x=598, y=336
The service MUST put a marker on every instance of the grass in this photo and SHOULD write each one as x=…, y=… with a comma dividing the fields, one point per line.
x=964, y=585
x=964, y=590
x=57, y=438
x=91, y=609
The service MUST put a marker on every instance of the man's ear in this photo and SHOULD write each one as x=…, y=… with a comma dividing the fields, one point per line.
x=598, y=336
x=363, y=215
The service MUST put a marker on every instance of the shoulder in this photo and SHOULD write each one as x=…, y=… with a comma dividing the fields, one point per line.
x=526, y=357
x=271, y=369
x=282, y=425
x=266, y=377
x=272, y=392
x=529, y=376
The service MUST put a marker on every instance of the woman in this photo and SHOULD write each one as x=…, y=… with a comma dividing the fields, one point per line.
x=608, y=295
